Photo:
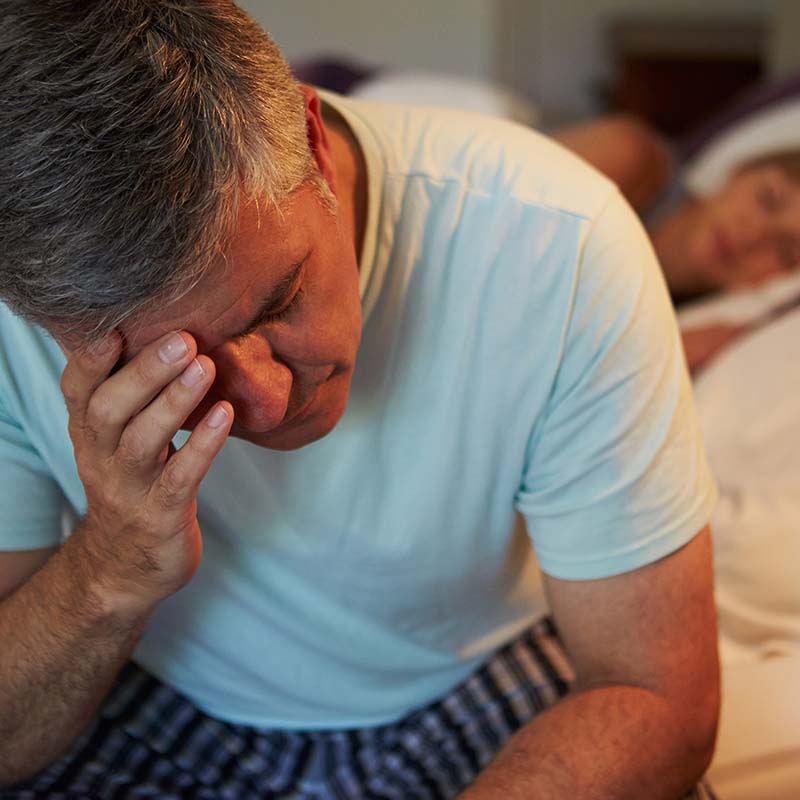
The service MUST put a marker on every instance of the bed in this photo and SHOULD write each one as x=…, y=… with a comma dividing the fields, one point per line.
x=747, y=399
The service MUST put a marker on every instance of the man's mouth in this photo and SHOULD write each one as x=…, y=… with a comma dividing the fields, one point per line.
x=302, y=411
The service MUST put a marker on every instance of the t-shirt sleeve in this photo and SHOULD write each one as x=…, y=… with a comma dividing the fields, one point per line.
x=615, y=474
x=31, y=501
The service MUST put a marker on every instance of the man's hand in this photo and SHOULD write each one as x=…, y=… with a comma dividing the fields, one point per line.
x=141, y=535
x=641, y=719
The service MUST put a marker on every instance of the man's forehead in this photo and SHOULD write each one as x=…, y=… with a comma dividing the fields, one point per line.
x=258, y=255
x=194, y=312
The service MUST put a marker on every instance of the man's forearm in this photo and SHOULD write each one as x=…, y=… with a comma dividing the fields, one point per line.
x=61, y=651
x=609, y=743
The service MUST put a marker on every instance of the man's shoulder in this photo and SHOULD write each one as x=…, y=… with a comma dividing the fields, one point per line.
x=486, y=154
x=15, y=330
x=29, y=359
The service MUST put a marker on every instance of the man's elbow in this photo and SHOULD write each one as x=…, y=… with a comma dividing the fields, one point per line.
x=699, y=723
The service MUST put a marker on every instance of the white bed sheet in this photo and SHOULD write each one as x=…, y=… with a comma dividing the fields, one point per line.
x=758, y=751
x=748, y=399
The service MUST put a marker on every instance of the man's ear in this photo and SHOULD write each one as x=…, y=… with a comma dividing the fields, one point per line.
x=318, y=136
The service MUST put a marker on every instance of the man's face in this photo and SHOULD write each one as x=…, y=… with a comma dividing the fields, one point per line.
x=750, y=230
x=285, y=368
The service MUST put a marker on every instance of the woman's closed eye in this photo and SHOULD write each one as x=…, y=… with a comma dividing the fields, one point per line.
x=769, y=197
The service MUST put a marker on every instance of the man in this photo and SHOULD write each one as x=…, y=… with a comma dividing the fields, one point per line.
x=321, y=591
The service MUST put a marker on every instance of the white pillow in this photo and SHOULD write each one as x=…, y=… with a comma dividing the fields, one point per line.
x=766, y=131
x=751, y=305
x=448, y=91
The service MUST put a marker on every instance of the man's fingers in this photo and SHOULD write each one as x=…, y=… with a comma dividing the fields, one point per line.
x=85, y=371
x=141, y=446
x=185, y=469
x=122, y=396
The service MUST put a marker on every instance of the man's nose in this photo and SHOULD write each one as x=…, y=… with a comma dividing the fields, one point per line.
x=254, y=381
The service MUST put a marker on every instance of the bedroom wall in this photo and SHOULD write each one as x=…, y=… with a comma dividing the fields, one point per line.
x=553, y=50
x=424, y=34
x=785, y=31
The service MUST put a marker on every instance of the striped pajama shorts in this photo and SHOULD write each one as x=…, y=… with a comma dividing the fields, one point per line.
x=149, y=741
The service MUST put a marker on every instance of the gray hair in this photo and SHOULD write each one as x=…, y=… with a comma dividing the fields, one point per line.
x=131, y=131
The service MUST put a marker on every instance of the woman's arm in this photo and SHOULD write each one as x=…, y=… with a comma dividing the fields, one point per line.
x=628, y=151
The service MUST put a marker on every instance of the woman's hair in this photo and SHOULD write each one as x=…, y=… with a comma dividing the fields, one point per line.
x=131, y=132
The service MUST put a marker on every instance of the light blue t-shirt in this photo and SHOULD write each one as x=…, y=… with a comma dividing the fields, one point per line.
x=519, y=354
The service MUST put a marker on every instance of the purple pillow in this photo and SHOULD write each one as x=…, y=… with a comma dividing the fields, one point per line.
x=761, y=96
x=335, y=74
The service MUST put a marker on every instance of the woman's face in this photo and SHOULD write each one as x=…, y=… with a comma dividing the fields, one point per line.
x=749, y=231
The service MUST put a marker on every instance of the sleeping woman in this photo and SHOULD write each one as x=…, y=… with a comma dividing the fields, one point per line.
x=747, y=232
